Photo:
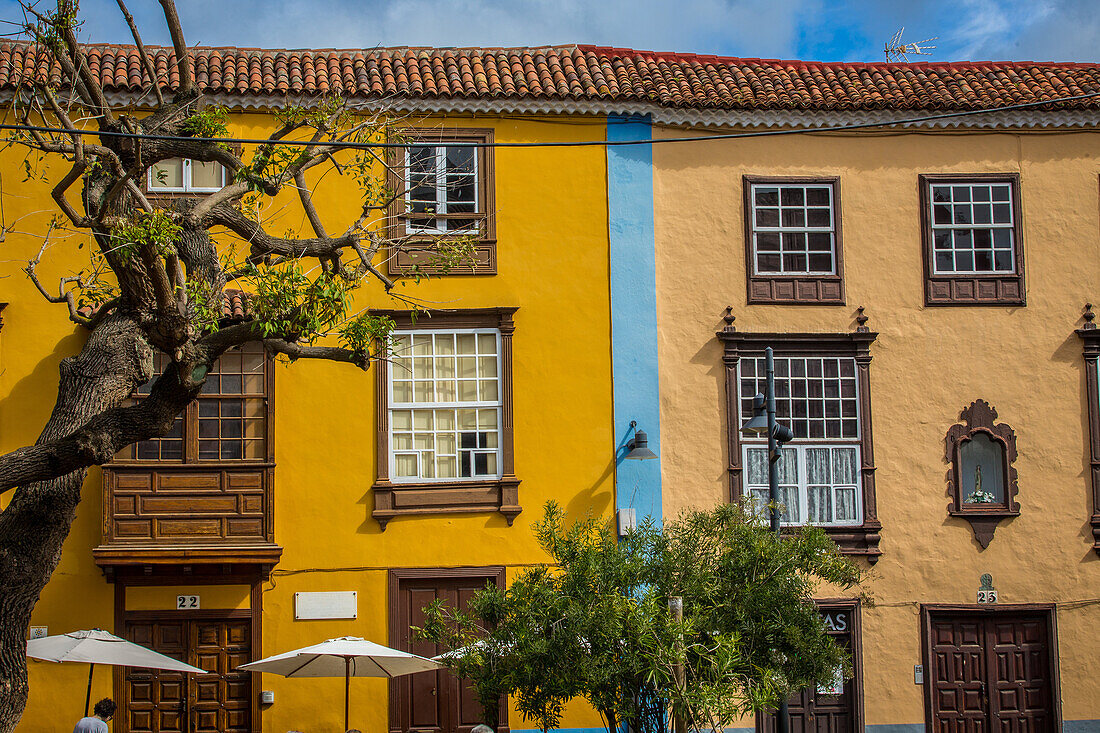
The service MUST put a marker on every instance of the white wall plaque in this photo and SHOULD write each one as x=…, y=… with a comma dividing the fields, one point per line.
x=187, y=603
x=334, y=604
x=39, y=632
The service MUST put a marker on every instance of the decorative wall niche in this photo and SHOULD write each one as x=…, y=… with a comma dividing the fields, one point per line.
x=981, y=479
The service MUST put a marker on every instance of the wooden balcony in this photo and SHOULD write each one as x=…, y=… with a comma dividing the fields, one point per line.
x=187, y=514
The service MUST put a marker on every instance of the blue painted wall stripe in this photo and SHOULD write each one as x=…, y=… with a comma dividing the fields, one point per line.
x=633, y=312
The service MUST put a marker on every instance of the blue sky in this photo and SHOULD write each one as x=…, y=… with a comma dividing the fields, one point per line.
x=827, y=30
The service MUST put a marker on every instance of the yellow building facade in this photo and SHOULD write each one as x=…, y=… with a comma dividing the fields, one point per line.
x=220, y=557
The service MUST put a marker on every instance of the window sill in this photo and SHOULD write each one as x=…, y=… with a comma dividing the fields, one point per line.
x=796, y=289
x=859, y=541
x=979, y=289
x=403, y=261
x=984, y=521
x=460, y=497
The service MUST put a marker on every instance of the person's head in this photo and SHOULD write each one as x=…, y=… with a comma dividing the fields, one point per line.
x=481, y=729
x=105, y=709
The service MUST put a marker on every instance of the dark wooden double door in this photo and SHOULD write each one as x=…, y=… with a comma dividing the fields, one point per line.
x=172, y=702
x=433, y=702
x=990, y=671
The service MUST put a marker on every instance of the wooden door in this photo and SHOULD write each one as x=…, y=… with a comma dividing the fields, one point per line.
x=990, y=671
x=432, y=702
x=832, y=708
x=172, y=702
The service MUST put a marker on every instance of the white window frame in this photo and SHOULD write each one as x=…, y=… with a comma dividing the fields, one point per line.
x=780, y=230
x=438, y=225
x=798, y=447
x=394, y=405
x=154, y=186
x=972, y=227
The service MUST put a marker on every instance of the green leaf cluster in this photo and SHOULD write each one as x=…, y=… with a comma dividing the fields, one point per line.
x=208, y=122
x=154, y=229
x=595, y=624
x=288, y=303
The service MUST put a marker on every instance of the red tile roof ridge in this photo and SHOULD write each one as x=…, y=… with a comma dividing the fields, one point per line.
x=805, y=63
x=586, y=74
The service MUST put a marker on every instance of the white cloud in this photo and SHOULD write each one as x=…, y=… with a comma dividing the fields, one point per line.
x=742, y=27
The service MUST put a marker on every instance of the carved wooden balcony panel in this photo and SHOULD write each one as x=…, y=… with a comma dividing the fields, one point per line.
x=187, y=513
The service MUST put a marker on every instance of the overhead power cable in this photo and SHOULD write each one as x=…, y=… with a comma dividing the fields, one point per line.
x=353, y=145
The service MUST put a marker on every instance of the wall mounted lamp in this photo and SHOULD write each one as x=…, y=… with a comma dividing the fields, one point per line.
x=638, y=445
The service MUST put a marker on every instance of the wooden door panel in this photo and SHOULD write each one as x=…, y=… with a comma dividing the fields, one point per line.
x=168, y=702
x=959, y=693
x=1021, y=685
x=431, y=702
x=466, y=710
x=991, y=672
x=157, y=698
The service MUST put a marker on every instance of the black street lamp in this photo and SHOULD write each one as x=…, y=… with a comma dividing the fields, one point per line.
x=763, y=421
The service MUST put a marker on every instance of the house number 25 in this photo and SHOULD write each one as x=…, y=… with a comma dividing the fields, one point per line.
x=186, y=602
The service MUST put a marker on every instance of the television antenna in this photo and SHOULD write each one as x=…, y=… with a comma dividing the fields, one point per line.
x=897, y=51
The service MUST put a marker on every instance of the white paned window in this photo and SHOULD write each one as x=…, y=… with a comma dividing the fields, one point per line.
x=973, y=226
x=445, y=406
x=793, y=229
x=184, y=175
x=442, y=190
x=819, y=471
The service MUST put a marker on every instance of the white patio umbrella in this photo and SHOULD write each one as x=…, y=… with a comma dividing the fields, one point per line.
x=100, y=647
x=347, y=657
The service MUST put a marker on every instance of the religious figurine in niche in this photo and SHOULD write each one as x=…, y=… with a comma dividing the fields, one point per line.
x=977, y=496
x=981, y=457
x=981, y=478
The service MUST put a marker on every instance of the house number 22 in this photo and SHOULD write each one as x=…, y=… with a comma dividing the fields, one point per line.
x=186, y=602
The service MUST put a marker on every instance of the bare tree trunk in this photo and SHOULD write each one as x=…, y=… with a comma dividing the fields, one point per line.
x=115, y=359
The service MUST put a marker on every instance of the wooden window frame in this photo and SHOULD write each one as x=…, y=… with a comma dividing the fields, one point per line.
x=793, y=289
x=858, y=540
x=1090, y=338
x=392, y=499
x=1048, y=610
x=972, y=289
x=979, y=418
x=191, y=429
x=408, y=259
x=492, y=573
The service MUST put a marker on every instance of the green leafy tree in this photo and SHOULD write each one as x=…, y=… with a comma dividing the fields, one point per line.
x=595, y=622
x=158, y=268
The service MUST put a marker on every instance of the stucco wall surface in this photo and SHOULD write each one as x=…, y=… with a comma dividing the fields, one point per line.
x=552, y=265
x=928, y=364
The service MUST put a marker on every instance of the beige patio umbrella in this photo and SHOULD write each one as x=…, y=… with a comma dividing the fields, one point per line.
x=347, y=657
x=100, y=647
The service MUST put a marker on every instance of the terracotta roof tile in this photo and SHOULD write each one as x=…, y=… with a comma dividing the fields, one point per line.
x=235, y=306
x=585, y=73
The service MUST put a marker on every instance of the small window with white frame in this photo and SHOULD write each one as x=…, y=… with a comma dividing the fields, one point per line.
x=445, y=405
x=793, y=228
x=441, y=185
x=819, y=471
x=184, y=175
